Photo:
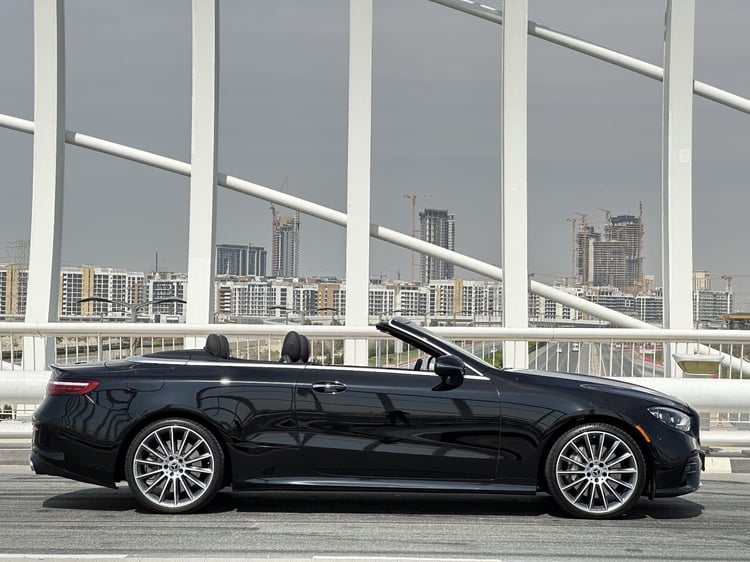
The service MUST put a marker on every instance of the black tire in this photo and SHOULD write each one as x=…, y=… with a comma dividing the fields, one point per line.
x=595, y=471
x=174, y=466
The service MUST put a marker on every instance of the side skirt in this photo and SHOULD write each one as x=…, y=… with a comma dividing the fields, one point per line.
x=383, y=484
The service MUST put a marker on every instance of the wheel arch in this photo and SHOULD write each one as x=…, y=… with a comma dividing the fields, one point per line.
x=554, y=434
x=191, y=415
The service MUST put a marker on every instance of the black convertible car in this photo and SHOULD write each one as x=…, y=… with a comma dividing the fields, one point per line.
x=180, y=425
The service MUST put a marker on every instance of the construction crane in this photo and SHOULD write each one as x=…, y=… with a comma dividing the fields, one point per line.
x=573, y=252
x=729, y=276
x=584, y=220
x=413, y=197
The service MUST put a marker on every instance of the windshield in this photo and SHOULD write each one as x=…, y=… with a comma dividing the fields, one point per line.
x=429, y=342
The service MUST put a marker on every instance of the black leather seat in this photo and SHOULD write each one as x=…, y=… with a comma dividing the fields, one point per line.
x=217, y=345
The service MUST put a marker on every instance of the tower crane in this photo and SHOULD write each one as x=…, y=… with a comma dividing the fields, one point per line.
x=729, y=276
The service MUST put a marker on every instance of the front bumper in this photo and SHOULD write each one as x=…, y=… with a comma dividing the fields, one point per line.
x=687, y=479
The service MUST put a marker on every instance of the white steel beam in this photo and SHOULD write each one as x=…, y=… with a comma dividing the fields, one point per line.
x=598, y=52
x=47, y=176
x=514, y=204
x=677, y=162
x=358, y=176
x=203, y=178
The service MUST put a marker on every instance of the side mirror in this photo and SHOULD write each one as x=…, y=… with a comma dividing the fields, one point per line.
x=450, y=369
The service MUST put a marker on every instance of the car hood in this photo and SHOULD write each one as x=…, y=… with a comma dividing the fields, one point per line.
x=605, y=384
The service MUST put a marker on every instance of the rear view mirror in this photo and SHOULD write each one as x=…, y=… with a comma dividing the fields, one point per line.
x=450, y=369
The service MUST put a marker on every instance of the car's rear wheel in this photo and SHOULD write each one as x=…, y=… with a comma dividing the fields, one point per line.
x=174, y=466
x=595, y=471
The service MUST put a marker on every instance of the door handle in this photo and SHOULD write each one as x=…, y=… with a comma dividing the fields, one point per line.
x=329, y=387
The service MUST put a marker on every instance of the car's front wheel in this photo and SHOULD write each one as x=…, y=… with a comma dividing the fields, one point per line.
x=595, y=471
x=174, y=466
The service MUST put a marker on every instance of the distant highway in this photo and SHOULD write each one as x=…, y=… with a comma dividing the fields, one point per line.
x=595, y=359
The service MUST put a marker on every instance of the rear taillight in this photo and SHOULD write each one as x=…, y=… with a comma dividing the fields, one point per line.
x=70, y=388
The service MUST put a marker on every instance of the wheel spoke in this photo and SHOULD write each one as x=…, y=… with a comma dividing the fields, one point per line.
x=198, y=483
x=584, y=456
x=186, y=488
x=612, y=452
x=603, y=496
x=148, y=474
x=573, y=484
x=149, y=461
x=628, y=485
x=580, y=494
x=569, y=459
x=197, y=459
x=613, y=491
x=150, y=450
x=154, y=484
x=587, y=440
x=161, y=444
x=621, y=458
x=175, y=492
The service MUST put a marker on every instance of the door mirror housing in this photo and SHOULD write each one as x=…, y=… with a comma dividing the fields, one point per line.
x=450, y=369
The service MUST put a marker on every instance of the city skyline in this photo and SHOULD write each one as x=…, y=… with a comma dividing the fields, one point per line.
x=594, y=130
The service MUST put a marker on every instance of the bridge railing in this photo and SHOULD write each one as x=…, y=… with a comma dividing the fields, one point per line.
x=721, y=392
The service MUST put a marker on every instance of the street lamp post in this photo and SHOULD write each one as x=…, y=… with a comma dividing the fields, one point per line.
x=134, y=308
x=286, y=310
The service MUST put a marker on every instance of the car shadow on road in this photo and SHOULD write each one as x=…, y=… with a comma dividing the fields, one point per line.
x=424, y=503
x=94, y=499
x=120, y=500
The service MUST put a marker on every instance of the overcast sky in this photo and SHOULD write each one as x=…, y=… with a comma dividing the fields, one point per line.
x=594, y=129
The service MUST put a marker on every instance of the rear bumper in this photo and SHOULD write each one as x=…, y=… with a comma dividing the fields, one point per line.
x=42, y=464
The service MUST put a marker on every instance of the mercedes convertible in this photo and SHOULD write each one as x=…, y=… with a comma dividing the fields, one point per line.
x=180, y=425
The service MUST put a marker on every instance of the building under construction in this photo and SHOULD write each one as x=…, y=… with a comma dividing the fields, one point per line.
x=612, y=255
x=285, y=245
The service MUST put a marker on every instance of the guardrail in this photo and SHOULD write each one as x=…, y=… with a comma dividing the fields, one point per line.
x=635, y=355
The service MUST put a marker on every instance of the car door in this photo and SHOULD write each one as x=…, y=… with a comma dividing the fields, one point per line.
x=390, y=423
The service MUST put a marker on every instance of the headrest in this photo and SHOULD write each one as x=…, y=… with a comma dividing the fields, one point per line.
x=291, y=348
x=217, y=345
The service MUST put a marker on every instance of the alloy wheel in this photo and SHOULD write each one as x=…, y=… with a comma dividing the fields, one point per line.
x=173, y=467
x=597, y=472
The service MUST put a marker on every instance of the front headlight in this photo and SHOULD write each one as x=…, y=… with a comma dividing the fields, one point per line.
x=673, y=418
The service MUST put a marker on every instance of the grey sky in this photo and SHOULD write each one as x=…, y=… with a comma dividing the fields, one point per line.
x=594, y=129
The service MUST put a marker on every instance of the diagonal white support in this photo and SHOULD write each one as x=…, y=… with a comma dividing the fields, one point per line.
x=358, y=176
x=203, y=179
x=47, y=186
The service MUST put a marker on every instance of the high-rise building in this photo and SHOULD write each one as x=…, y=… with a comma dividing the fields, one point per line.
x=438, y=227
x=238, y=259
x=285, y=246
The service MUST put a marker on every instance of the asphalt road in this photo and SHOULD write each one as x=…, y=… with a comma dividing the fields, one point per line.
x=593, y=359
x=47, y=517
